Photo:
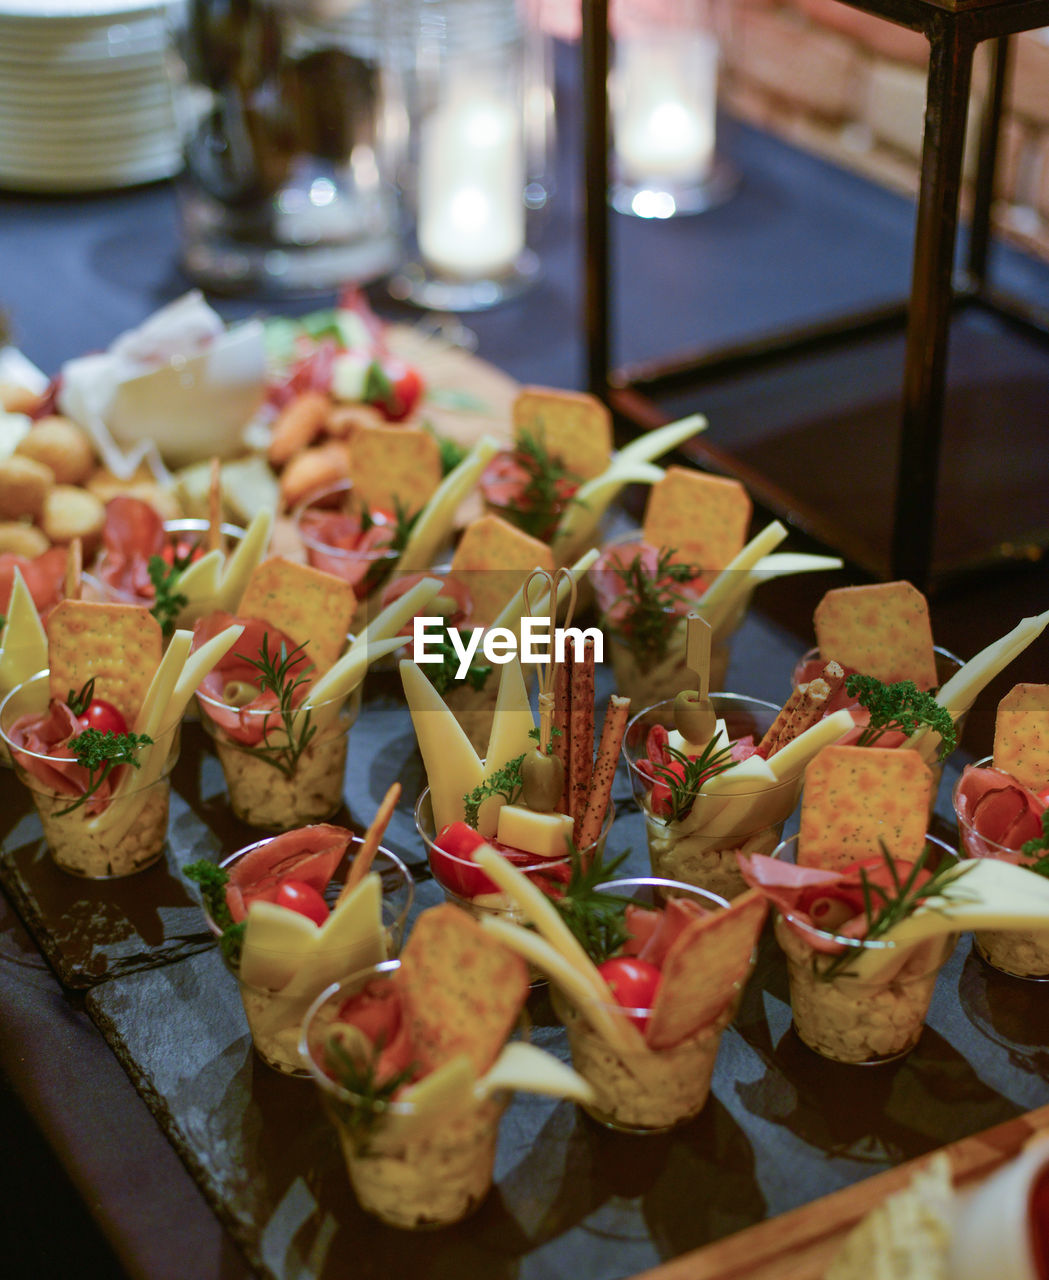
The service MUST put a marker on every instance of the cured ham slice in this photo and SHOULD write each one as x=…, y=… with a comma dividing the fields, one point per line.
x=1000, y=811
x=308, y=854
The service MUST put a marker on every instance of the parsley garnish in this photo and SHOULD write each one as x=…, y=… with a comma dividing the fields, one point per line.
x=213, y=881
x=901, y=706
x=371, y=1098
x=684, y=787
x=276, y=674
x=442, y=675
x=168, y=602
x=506, y=782
x=896, y=905
x=650, y=596
x=100, y=753
x=1040, y=844
x=594, y=916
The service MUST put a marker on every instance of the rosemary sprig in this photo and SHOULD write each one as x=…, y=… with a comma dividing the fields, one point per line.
x=896, y=904
x=442, y=675
x=506, y=782
x=100, y=753
x=168, y=602
x=546, y=489
x=650, y=596
x=902, y=707
x=212, y=881
x=684, y=787
x=594, y=916
x=277, y=675
x=371, y=1098
x=78, y=702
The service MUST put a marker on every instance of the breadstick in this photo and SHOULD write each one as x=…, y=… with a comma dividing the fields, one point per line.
x=612, y=732
x=74, y=569
x=562, y=740
x=215, y=507
x=581, y=722
x=361, y=864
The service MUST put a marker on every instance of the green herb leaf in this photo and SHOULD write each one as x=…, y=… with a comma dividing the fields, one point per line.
x=892, y=907
x=100, y=753
x=684, y=788
x=902, y=707
x=650, y=596
x=276, y=674
x=595, y=917
x=506, y=782
x=168, y=601
x=370, y=1097
x=78, y=703
x=212, y=881
x=442, y=675
x=1040, y=844
x=546, y=490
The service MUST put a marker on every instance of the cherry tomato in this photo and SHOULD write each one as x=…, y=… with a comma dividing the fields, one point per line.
x=394, y=387
x=103, y=716
x=299, y=896
x=660, y=797
x=633, y=982
x=451, y=861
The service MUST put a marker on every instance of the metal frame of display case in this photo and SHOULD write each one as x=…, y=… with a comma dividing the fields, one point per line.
x=953, y=32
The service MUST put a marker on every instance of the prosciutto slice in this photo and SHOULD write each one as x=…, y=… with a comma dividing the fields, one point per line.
x=309, y=854
x=41, y=748
x=245, y=723
x=44, y=576
x=132, y=534
x=1000, y=813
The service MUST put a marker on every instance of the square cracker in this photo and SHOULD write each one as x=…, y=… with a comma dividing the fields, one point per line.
x=1021, y=735
x=394, y=464
x=706, y=963
x=703, y=518
x=881, y=630
x=462, y=989
x=576, y=428
x=119, y=644
x=310, y=606
x=492, y=559
x=856, y=797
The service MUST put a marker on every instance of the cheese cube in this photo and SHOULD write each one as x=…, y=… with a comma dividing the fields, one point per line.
x=544, y=834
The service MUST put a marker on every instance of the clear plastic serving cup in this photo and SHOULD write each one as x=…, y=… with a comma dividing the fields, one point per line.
x=365, y=568
x=278, y=791
x=1021, y=953
x=127, y=835
x=275, y=1016
x=700, y=849
x=649, y=1091
x=848, y=1019
x=454, y=873
x=408, y=1169
x=182, y=535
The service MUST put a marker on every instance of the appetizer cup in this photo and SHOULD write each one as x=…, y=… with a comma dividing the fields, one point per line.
x=700, y=849
x=329, y=527
x=465, y=884
x=271, y=787
x=183, y=535
x=101, y=838
x=650, y=1091
x=275, y=1015
x=849, y=1019
x=1019, y=953
x=407, y=1168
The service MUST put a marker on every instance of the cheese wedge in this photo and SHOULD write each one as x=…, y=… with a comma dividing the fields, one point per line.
x=511, y=725
x=544, y=834
x=23, y=643
x=719, y=602
x=351, y=939
x=437, y=519
x=531, y=1069
x=276, y=944
x=453, y=768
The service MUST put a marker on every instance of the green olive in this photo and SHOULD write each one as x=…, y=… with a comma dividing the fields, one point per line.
x=694, y=717
x=543, y=780
x=238, y=693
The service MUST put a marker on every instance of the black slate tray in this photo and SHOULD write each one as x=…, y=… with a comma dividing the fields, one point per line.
x=571, y=1199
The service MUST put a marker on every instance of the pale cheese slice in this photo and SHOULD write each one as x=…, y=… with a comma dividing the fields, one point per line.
x=243, y=560
x=453, y=767
x=720, y=601
x=276, y=943
x=446, y=1091
x=653, y=444
x=24, y=642
x=350, y=940
x=531, y=1069
x=544, y=834
x=580, y=519
x=962, y=689
x=792, y=759
x=511, y=725
x=991, y=894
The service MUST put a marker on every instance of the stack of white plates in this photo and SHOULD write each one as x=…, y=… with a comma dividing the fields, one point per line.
x=85, y=102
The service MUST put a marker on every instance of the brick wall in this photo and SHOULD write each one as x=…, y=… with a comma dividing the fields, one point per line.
x=852, y=87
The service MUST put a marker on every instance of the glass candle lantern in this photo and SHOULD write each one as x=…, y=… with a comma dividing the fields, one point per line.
x=465, y=166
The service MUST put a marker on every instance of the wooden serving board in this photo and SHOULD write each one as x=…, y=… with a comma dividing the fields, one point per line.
x=801, y=1245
